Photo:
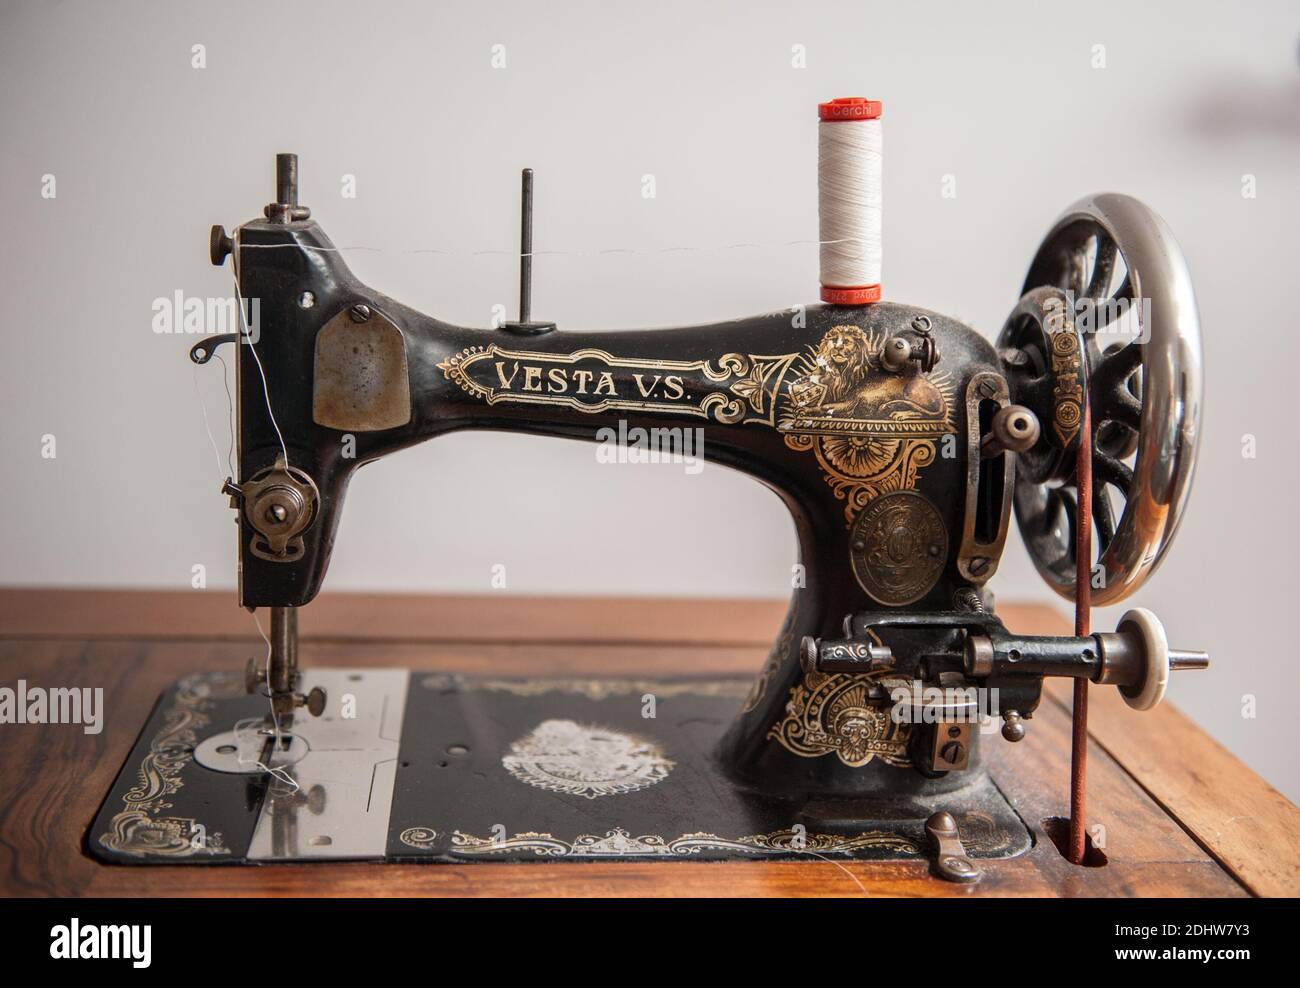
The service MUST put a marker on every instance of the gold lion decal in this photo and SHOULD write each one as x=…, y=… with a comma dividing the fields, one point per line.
x=847, y=380
x=871, y=429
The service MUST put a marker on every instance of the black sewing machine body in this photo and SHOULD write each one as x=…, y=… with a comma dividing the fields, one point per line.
x=890, y=432
x=737, y=380
x=798, y=399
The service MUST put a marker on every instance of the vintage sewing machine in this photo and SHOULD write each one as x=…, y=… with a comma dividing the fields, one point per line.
x=898, y=438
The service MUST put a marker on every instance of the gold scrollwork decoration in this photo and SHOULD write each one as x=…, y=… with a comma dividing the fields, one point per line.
x=592, y=380
x=140, y=828
x=981, y=834
x=860, y=468
x=591, y=689
x=1067, y=368
x=775, y=659
x=834, y=713
x=421, y=837
x=620, y=843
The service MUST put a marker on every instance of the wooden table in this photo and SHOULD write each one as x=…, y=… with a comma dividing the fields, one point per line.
x=1182, y=815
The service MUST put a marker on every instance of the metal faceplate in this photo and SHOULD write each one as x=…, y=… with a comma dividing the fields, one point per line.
x=334, y=801
x=329, y=779
x=360, y=381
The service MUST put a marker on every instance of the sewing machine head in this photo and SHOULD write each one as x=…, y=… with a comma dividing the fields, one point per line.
x=898, y=438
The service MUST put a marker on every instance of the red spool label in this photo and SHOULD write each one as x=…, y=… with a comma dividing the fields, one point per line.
x=849, y=108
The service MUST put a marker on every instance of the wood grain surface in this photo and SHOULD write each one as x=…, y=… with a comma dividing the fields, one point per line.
x=1159, y=791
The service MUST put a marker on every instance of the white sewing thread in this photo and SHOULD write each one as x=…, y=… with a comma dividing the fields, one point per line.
x=230, y=415
x=245, y=337
x=848, y=201
x=250, y=739
x=207, y=425
x=592, y=252
x=241, y=728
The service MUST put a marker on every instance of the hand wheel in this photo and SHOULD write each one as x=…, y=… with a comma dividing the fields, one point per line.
x=1108, y=263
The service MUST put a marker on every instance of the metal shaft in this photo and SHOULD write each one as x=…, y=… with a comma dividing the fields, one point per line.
x=526, y=248
x=286, y=179
x=283, y=664
x=1188, y=660
x=1082, y=626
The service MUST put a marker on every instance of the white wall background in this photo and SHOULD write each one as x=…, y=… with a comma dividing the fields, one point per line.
x=148, y=151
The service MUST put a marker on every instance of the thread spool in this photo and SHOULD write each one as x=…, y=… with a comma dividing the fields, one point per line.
x=848, y=200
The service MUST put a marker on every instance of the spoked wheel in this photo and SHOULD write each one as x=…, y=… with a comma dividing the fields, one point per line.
x=1107, y=306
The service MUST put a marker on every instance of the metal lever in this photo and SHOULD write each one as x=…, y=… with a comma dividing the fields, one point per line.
x=525, y=326
x=950, y=862
x=202, y=351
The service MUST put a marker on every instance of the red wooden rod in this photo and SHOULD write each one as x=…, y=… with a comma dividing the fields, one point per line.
x=1082, y=627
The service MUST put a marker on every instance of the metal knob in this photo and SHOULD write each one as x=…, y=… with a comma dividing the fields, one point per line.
x=1013, y=428
x=895, y=354
x=1137, y=658
x=219, y=245
x=316, y=701
x=847, y=655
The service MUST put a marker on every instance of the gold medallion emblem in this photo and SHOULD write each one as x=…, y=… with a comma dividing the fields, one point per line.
x=899, y=545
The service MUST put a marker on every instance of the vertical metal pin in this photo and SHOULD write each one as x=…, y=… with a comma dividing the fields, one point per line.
x=525, y=326
x=286, y=179
x=526, y=248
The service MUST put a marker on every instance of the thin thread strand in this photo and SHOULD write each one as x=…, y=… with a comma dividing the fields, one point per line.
x=591, y=252
x=246, y=336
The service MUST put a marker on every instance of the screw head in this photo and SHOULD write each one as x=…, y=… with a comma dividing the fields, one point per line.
x=958, y=865
x=316, y=701
x=359, y=312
